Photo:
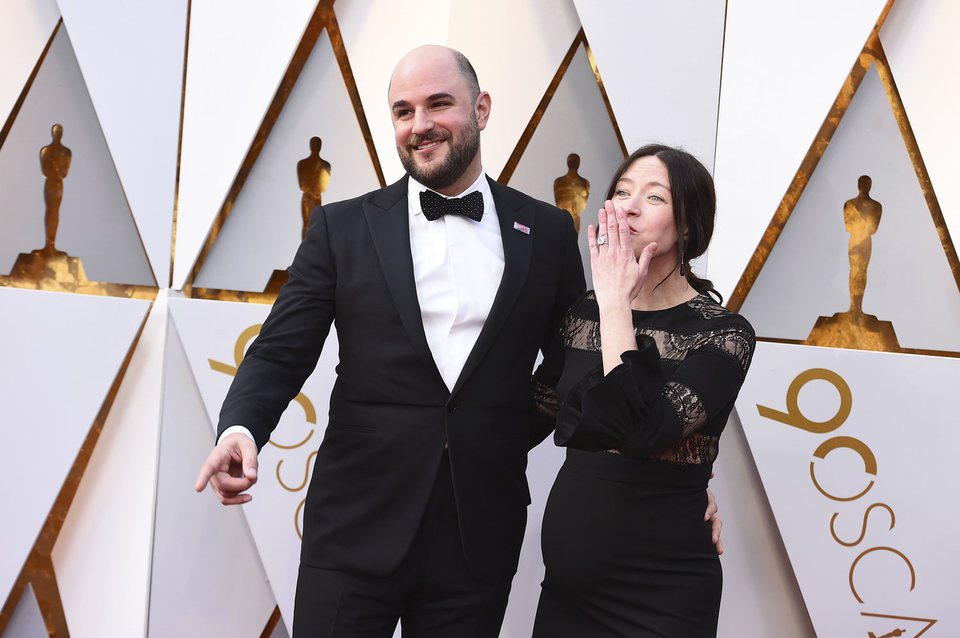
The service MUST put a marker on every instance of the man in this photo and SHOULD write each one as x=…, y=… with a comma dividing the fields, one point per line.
x=417, y=505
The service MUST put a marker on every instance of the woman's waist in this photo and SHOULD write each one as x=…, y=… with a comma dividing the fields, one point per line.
x=651, y=472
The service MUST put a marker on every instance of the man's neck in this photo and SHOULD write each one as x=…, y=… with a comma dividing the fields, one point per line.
x=465, y=181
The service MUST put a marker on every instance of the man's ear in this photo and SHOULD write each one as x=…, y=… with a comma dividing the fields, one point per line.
x=482, y=109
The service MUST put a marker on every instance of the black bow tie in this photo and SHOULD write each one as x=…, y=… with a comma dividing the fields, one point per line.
x=435, y=206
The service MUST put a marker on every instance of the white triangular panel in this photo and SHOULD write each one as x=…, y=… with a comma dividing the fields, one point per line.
x=576, y=121
x=60, y=357
x=758, y=581
x=102, y=555
x=238, y=53
x=131, y=55
x=25, y=28
x=209, y=331
x=806, y=275
x=206, y=575
x=530, y=42
x=95, y=220
x=26, y=620
x=783, y=65
x=373, y=57
x=674, y=98
x=891, y=545
x=263, y=230
x=920, y=39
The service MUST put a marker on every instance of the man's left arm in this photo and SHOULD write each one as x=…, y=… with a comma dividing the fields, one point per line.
x=544, y=382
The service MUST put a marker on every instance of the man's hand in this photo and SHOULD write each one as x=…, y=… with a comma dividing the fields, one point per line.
x=714, y=518
x=231, y=469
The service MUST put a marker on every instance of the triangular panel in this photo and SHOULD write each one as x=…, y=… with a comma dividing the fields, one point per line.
x=214, y=335
x=142, y=43
x=25, y=28
x=265, y=224
x=783, y=64
x=95, y=224
x=922, y=46
x=238, y=52
x=909, y=281
x=576, y=121
x=50, y=405
x=671, y=99
x=102, y=555
x=857, y=472
x=206, y=572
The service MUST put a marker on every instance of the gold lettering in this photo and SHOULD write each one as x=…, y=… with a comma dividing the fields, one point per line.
x=793, y=416
x=930, y=621
x=306, y=472
x=239, y=350
x=856, y=561
x=869, y=463
x=863, y=530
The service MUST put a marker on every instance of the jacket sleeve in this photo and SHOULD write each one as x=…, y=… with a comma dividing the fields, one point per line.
x=543, y=385
x=290, y=341
x=635, y=410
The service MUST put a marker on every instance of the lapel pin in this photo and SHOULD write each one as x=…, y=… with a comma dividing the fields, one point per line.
x=523, y=229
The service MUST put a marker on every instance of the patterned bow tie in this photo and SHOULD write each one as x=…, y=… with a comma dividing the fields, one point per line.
x=435, y=206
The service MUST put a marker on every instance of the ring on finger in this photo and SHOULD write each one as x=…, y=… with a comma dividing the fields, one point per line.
x=601, y=240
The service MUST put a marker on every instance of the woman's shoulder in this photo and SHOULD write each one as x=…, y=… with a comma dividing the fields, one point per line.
x=716, y=316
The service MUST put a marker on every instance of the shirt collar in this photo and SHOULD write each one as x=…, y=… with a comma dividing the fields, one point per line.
x=414, y=188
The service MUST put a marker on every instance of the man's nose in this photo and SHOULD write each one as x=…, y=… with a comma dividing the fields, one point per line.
x=422, y=122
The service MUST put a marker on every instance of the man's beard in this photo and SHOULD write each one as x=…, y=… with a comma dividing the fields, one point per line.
x=452, y=168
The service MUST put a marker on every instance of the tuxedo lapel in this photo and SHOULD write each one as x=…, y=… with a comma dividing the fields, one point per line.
x=388, y=219
x=516, y=229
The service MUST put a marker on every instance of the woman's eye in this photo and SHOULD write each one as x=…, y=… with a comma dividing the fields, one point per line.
x=657, y=198
x=621, y=193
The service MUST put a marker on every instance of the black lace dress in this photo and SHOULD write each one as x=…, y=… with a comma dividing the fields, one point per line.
x=626, y=549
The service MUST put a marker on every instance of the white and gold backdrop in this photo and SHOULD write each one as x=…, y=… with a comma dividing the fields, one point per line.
x=155, y=159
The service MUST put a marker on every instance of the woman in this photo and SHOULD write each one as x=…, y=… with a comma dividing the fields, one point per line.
x=625, y=544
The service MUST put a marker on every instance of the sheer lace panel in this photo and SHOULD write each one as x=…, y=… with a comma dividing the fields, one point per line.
x=687, y=404
x=706, y=307
x=734, y=342
x=696, y=449
x=544, y=399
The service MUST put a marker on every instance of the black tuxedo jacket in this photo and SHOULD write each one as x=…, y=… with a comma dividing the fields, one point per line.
x=390, y=411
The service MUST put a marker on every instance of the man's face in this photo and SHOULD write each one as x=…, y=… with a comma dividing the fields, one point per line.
x=436, y=121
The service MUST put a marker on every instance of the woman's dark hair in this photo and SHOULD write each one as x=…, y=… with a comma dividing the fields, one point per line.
x=694, y=204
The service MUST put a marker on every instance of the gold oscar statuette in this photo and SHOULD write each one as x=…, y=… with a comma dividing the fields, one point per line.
x=313, y=173
x=854, y=328
x=571, y=190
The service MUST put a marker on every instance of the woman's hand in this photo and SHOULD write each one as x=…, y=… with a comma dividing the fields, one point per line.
x=618, y=275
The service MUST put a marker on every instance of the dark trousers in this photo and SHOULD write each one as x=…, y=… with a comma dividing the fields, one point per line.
x=432, y=593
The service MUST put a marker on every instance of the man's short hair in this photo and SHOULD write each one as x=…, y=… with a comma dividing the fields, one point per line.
x=468, y=73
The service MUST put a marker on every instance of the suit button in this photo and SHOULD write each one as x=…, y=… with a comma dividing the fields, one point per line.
x=452, y=407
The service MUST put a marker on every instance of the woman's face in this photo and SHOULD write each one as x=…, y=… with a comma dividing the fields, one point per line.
x=643, y=193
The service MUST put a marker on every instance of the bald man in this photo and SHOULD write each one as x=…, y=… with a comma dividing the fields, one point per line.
x=444, y=287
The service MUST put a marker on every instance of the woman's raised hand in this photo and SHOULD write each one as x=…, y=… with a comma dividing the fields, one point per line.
x=618, y=274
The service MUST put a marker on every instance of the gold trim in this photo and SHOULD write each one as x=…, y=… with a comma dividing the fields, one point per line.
x=38, y=568
x=538, y=113
x=809, y=163
x=340, y=51
x=323, y=18
x=603, y=93
x=272, y=623
x=921, y=351
x=872, y=54
x=913, y=149
x=15, y=111
x=183, y=102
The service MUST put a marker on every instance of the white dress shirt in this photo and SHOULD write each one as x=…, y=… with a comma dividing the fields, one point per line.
x=457, y=267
